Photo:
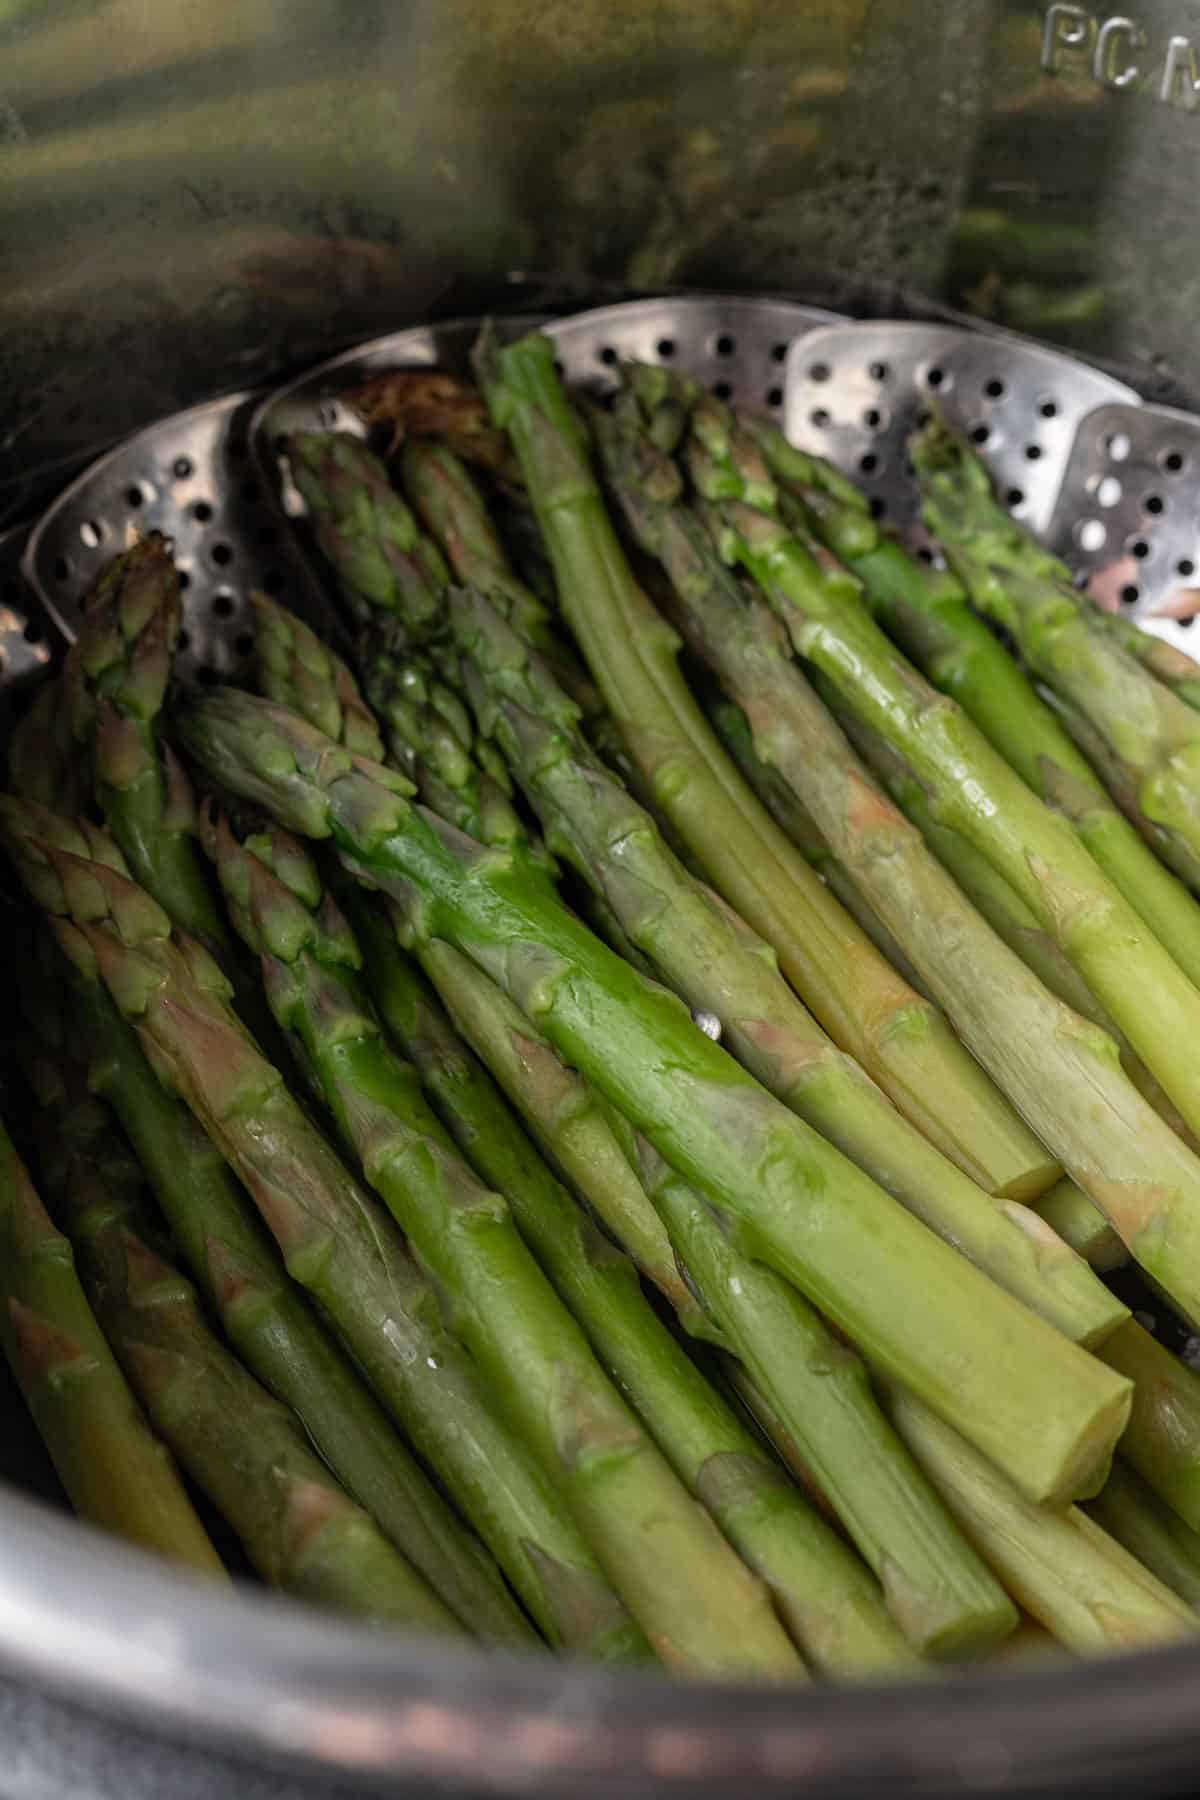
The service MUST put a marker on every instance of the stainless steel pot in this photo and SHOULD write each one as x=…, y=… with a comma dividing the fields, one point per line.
x=193, y=199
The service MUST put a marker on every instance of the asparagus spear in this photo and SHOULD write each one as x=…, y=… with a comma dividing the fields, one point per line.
x=335, y=1240
x=791, y=815
x=793, y=1200
x=431, y=738
x=1053, y=1063
x=1131, y=1512
x=1163, y=1438
x=116, y=1473
x=933, y=1591
x=898, y=1038
x=1151, y=733
x=710, y=957
x=302, y=1532
x=571, y=1127
x=1079, y=1222
x=832, y=1609
x=1173, y=667
x=974, y=791
x=365, y=528
x=261, y=1313
x=696, y=1602
x=994, y=897
x=116, y=677
x=927, y=613
x=1059, y=1566
x=293, y=665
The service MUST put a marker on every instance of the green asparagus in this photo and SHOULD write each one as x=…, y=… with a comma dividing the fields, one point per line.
x=1163, y=1438
x=1170, y=665
x=927, y=613
x=261, y=1312
x=971, y=789
x=116, y=1473
x=933, y=1590
x=245, y=1450
x=1151, y=733
x=698, y=1605
x=116, y=678
x=791, y=1199
x=717, y=965
x=1063, y=1071
x=833, y=1612
x=335, y=1240
x=1062, y=1568
x=1130, y=1511
x=898, y=1038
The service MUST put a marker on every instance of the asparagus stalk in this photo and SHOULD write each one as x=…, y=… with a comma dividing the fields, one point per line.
x=791, y=1199
x=927, y=613
x=431, y=737
x=335, y=1240
x=717, y=965
x=942, y=1598
x=1131, y=1512
x=116, y=1473
x=262, y=1314
x=293, y=666
x=973, y=791
x=365, y=528
x=452, y=509
x=791, y=815
x=1173, y=667
x=1050, y=1061
x=898, y=1038
x=1079, y=1222
x=696, y=1602
x=1151, y=733
x=570, y=1126
x=823, y=1594
x=995, y=898
x=1060, y=1566
x=246, y=1451
x=1162, y=1441
x=116, y=677
x=933, y=1591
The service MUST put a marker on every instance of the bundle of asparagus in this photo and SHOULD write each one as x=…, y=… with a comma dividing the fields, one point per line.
x=498, y=1072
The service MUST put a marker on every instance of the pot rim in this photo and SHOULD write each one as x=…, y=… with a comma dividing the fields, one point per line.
x=270, y=1679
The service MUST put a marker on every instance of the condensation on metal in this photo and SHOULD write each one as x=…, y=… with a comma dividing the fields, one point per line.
x=856, y=392
x=1128, y=516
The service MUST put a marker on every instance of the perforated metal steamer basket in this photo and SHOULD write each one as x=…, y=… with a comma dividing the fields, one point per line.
x=172, y=1690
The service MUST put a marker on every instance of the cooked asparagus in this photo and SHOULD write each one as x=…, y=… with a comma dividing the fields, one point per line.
x=1130, y=1511
x=927, y=613
x=970, y=787
x=1150, y=732
x=116, y=1473
x=1051, y=1061
x=261, y=1311
x=897, y=1037
x=335, y=1240
x=698, y=1604
x=718, y=966
x=1062, y=1568
x=792, y=1199
x=246, y=1451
